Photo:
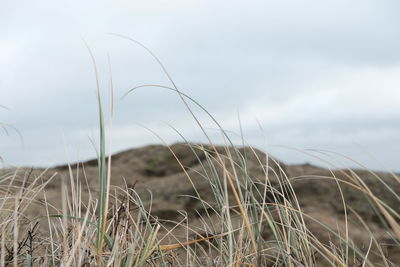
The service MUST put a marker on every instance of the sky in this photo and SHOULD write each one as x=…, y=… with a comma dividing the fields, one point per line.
x=306, y=80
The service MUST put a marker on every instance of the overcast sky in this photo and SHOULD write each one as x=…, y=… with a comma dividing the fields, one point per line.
x=301, y=74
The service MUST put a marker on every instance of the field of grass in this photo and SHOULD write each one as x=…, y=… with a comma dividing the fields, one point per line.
x=113, y=227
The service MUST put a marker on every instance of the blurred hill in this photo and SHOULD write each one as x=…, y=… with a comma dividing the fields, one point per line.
x=159, y=179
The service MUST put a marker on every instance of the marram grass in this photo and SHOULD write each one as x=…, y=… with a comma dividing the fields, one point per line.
x=133, y=237
x=116, y=228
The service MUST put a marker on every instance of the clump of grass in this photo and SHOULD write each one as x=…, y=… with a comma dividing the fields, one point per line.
x=117, y=229
x=133, y=237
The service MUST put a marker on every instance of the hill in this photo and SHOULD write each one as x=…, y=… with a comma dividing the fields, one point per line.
x=172, y=188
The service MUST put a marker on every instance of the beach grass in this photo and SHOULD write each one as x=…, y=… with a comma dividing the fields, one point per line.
x=113, y=227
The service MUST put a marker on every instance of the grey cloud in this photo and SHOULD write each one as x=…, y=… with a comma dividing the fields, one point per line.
x=309, y=71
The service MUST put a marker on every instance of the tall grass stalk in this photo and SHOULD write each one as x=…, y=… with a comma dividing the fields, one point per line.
x=103, y=190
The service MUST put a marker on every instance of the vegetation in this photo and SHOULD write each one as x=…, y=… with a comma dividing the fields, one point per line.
x=116, y=228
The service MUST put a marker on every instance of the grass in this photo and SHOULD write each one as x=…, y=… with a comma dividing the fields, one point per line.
x=117, y=228
x=228, y=236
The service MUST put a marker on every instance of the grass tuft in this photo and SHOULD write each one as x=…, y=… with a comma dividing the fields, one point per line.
x=235, y=215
